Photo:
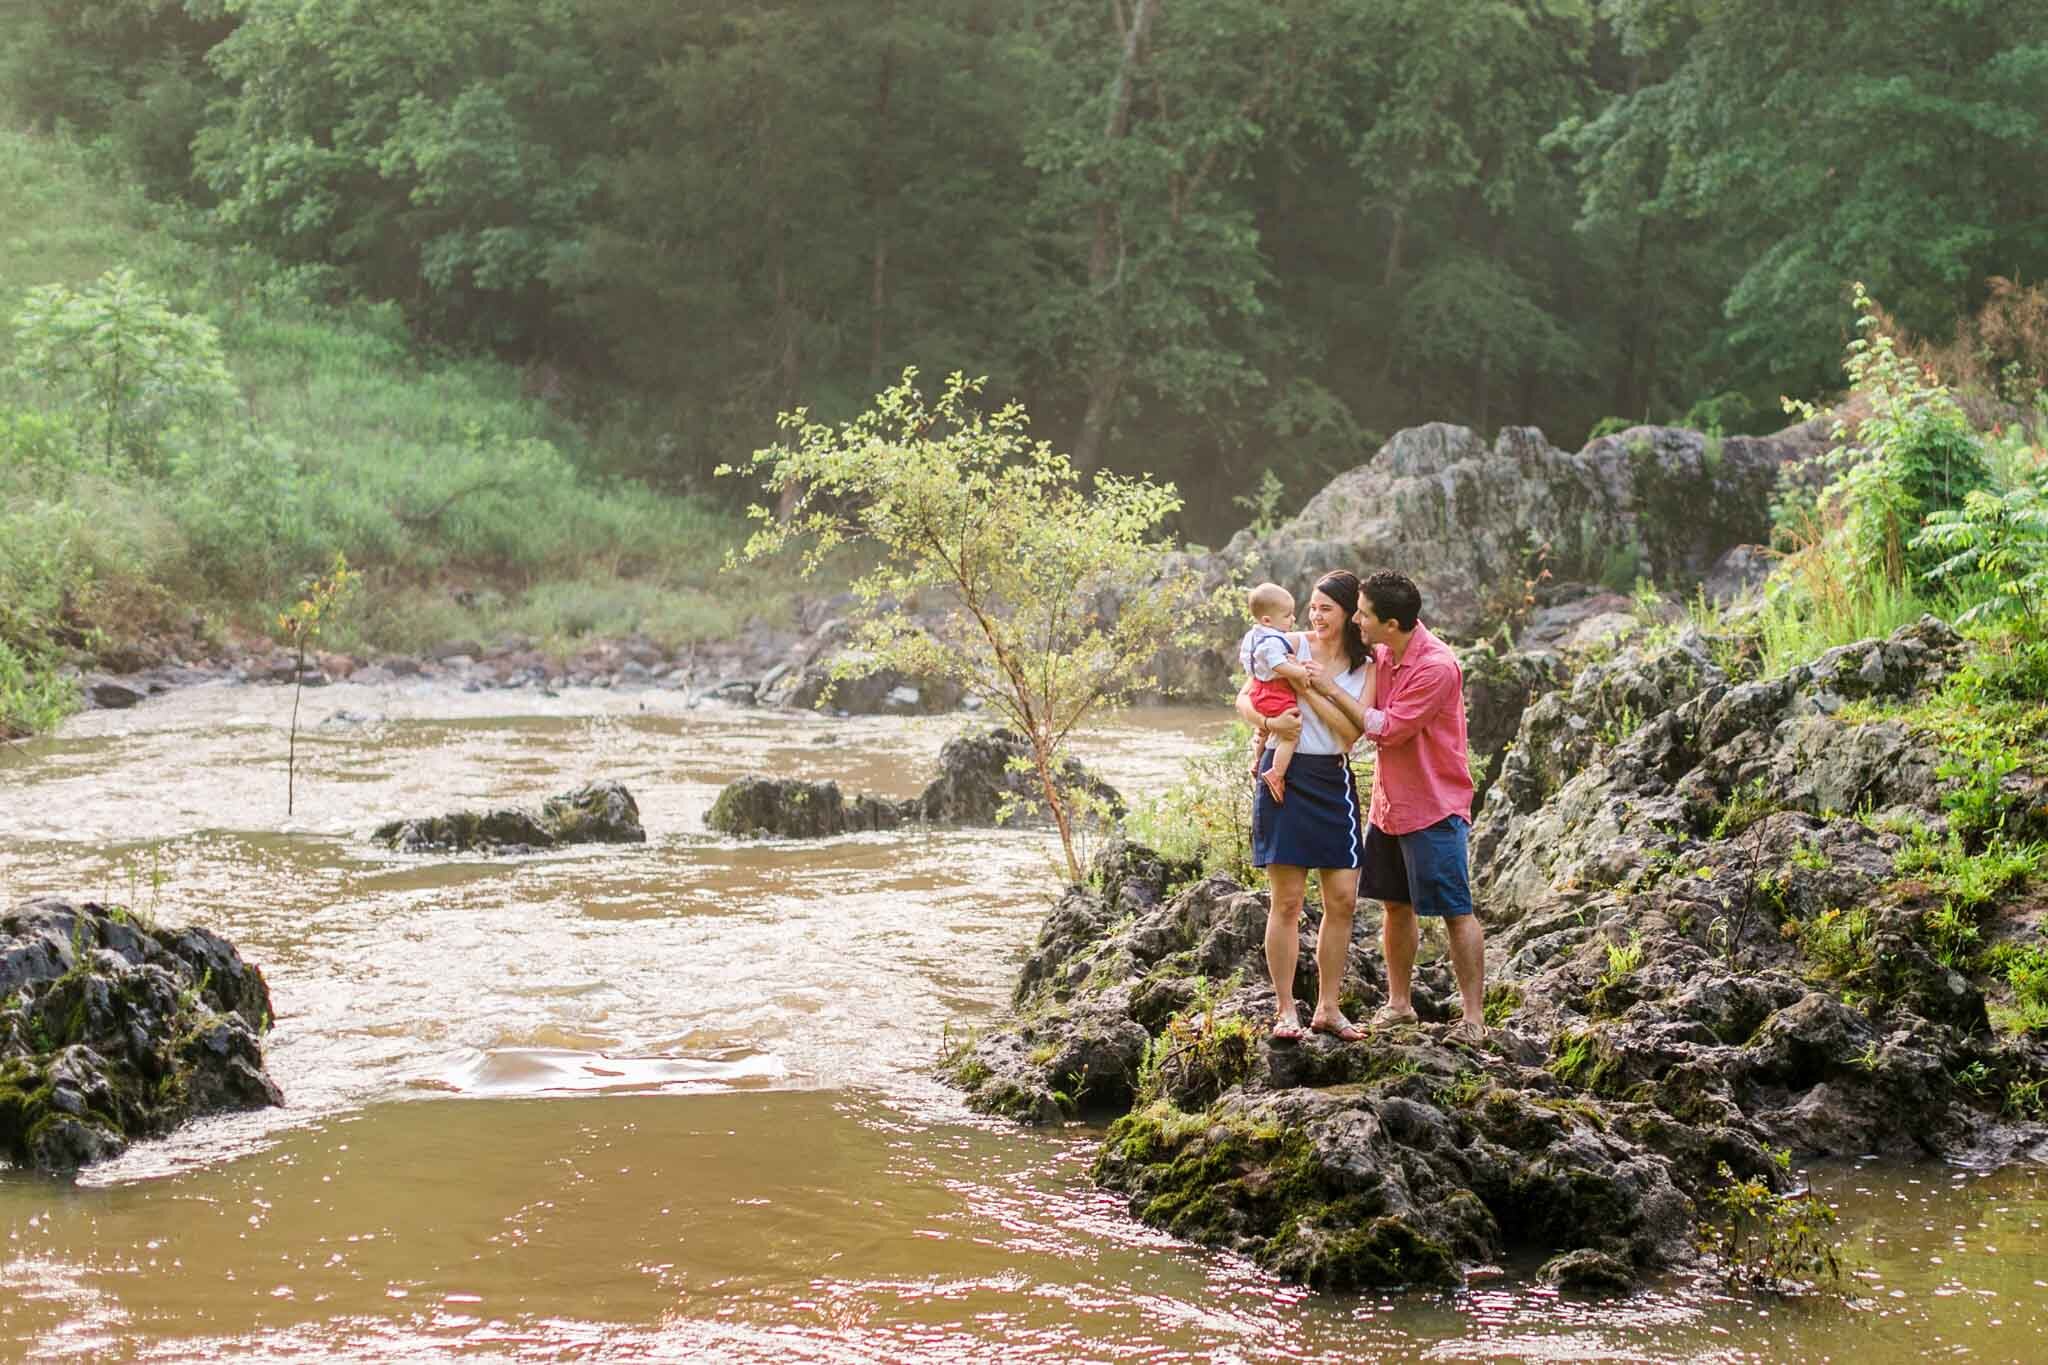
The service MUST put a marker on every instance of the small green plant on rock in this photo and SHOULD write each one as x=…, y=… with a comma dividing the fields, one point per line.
x=1502, y=1000
x=2025, y=969
x=1779, y=1244
x=1198, y=1055
x=1747, y=805
x=1838, y=942
x=1623, y=959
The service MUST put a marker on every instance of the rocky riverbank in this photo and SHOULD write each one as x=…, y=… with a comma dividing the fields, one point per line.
x=1722, y=923
x=113, y=1029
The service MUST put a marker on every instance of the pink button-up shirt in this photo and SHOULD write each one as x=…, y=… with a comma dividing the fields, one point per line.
x=1421, y=774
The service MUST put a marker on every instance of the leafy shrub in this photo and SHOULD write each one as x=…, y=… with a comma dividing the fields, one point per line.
x=1206, y=818
x=1912, y=453
x=1772, y=1242
x=1997, y=554
x=32, y=696
x=118, y=347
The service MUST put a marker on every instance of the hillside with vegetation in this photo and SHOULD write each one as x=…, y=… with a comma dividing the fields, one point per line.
x=259, y=431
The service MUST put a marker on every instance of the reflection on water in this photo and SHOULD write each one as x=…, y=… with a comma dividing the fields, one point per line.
x=663, y=1102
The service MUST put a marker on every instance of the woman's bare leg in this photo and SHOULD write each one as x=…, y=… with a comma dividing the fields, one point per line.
x=1333, y=947
x=1283, y=938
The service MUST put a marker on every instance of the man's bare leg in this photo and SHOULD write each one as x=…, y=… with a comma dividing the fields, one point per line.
x=1400, y=936
x=1468, y=962
x=1333, y=950
x=1283, y=941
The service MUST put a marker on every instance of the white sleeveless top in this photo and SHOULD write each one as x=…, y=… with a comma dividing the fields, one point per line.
x=1315, y=736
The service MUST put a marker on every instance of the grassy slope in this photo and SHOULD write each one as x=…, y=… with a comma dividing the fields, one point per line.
x=431, y=472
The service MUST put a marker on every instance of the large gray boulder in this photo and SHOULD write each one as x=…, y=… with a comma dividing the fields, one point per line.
x=114, y=1029
x=1464, y=519
x=1472, y=523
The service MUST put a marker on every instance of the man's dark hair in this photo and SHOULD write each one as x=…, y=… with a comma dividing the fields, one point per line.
x=1395, y=598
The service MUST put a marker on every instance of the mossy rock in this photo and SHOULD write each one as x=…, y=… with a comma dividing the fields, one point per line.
x=115, y=1029
x=600, y=813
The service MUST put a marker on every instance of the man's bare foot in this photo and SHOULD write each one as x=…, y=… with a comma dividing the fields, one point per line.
x=1276, y=783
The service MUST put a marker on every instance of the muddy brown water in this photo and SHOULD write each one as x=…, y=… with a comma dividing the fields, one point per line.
x=674, y=1102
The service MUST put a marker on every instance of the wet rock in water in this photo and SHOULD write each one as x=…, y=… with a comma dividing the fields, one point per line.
x=795, y=809
x=1589, y=1272
x=975, y=781
x=113, y=1029
x=979, y=773
x=597, y=813
x=109, y=695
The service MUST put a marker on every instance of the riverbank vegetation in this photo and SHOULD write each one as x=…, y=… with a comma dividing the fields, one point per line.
x=146, y=513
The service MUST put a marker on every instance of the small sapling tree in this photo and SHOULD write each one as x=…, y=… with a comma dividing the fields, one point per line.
x=1053, y=598
x=119, y=347
x=300, y=626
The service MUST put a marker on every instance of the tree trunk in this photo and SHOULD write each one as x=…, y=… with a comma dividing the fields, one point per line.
x=1105, y=268
x=790, y=365
x=1388, y=274
x=1062, y=819
x=881, y=193
x=1483, y=380
x=1628, y=383
x=1103, y=388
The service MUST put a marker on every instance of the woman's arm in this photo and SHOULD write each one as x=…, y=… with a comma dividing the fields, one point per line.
x=1334, y=705
x=1286, y=726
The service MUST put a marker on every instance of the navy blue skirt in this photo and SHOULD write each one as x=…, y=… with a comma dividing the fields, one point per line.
x=1317, y=825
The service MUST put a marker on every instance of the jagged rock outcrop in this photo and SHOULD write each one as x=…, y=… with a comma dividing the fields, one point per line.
x=976, y=779
x=1705, y=945
x=113, y=1029
x=597, y=813
x=1679, y=741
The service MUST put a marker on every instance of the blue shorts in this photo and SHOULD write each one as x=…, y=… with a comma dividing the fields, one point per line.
x=1426, y=869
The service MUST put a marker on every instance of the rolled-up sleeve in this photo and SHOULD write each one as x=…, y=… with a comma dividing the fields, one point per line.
x=1415, y=701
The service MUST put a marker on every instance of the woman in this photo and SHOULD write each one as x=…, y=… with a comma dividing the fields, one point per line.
x=1316, y=826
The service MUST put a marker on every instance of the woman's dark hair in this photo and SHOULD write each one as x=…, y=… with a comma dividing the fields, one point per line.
x=1341, y=587
x=1395, y=598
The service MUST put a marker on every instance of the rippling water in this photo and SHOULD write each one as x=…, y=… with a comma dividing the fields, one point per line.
x=674, y=1101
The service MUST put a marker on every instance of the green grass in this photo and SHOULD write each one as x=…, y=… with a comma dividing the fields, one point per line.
x=433, y=473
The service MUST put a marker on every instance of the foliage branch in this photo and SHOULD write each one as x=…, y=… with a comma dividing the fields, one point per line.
x=1050, y=597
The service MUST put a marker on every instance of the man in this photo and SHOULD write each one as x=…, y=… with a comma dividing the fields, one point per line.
x=1415, y=842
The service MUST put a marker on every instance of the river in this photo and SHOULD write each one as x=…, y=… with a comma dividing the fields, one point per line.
x=674, y=1101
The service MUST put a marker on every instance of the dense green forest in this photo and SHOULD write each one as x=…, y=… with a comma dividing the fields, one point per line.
x=1201, y=239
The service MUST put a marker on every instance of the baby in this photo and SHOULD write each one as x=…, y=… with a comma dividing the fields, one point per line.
x=1273, y=657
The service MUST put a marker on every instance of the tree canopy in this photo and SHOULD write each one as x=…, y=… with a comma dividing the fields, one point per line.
x=1201, y=238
